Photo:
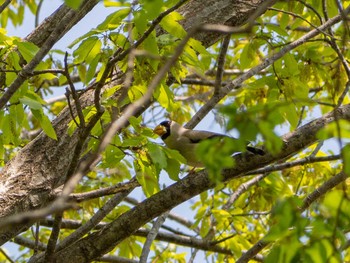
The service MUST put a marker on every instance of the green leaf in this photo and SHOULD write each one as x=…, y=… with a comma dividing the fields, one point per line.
x=291, y=64
x=165, y=97
x=11, y=129
x=171, y=25
x=272, y=142
x=27, y=49
x=33, y=104
x=113, y=155
x=216, y=155
x=87, y=50
x=284, y=215
x=119, y=40
x=278, y=29
x=152, y=7
x=135, y=122
x=332, y=130
x=157, y=155
x=291, y=115
x=173, y=169
x=174, y=155
x=150, y=44
x=146, y=176
x=246, y=56
x=74, y=4
x=92, y=69
x=113, y=20
x=108, y=3
x=44, y=123
x=87, y=35
x=346, y=158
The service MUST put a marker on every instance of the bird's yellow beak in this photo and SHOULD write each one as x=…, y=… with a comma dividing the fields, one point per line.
x=160, y=130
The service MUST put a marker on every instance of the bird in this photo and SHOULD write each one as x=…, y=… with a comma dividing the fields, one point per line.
x=185, y=141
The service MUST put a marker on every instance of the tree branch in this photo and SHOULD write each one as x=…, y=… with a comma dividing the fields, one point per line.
x=267, y=62
x=190, y=186
x=26, y=71
x=326, y=186
x=151, y=236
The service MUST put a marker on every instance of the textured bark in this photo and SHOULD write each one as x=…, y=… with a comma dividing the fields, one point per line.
x=28, y=180
x=226, y=12
x=107, y=238
x=43, y=31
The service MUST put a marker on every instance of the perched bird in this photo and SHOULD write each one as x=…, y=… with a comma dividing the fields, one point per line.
x=185, y=140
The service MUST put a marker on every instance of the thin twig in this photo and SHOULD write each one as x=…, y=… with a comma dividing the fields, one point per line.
x=34, y=215
x=26, y=242
x=94, y=220
x=300, y=17
x=67, y=95
x=221, y=64
x=6, y=256
x=120, y=187
x=37, y=229
x=81, y=229
x=172, y=216
x=151, y=236
x=243, y=188
x=36, y=72
x=236, y=83
x=326, y=186
x=74, y=94
x=281, y=166
x=55, y=231
x=27, y=70
x=312, y=9
x=4, y=5
x=38, y=9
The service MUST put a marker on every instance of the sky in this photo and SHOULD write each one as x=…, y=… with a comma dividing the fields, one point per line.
x=91, y=20
x=96, y=16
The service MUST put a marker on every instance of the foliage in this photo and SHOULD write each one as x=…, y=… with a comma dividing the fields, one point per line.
x=119, y=58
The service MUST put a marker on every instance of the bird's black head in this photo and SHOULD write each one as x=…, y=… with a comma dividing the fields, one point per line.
x=166, y=125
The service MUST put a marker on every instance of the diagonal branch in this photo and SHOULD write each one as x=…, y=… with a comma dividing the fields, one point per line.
x=267, y=62
x=26, y=71
x=331, y=183
x=193, y=184
x=4, y=5
x=151, y=236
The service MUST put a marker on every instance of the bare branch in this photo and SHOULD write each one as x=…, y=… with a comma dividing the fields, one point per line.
x=4, y=5
x=267, y=62
x=243, y=188
x=282, y=166
x=33, y=216
x=193, y=184
x=82, y=197
x=26, y=242
x=27, y=70
x=221, y=64
x=91, y=224
x=6, y=256
x=151, y=236
x=51, y=246
x=74, y=93
x=326, y=186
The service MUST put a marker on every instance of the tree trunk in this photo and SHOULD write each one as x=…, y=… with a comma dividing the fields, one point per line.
x=29, y=179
